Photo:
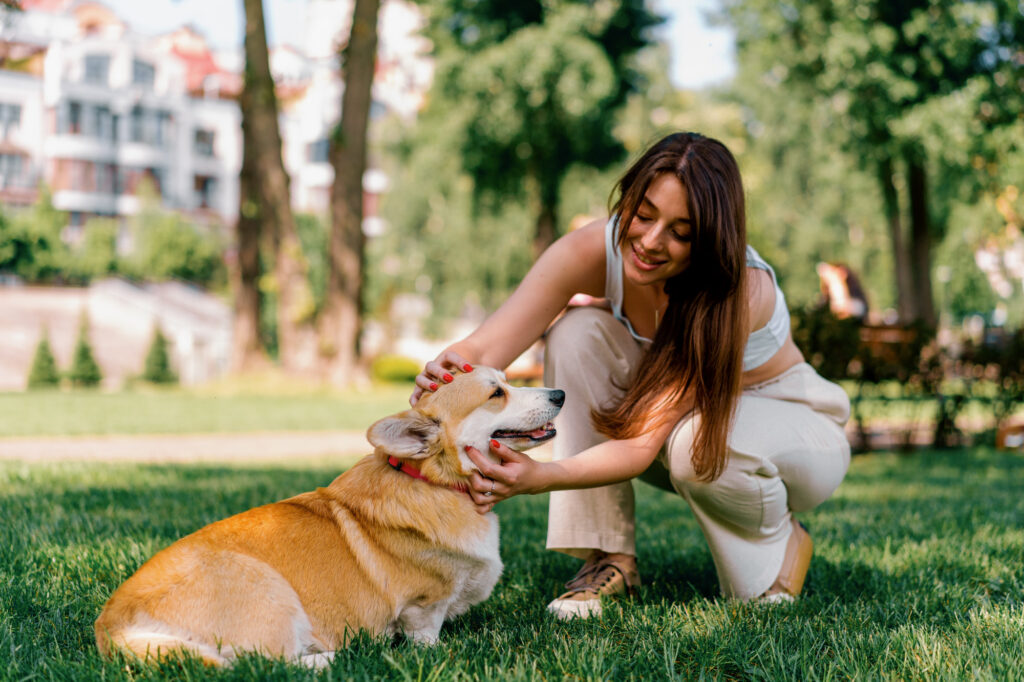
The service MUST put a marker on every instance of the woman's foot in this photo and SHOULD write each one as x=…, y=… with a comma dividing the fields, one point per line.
x=790, y=582
x=603, y=576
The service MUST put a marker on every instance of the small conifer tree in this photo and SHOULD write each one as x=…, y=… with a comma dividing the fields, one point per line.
x=84, y=371
x=158, y=362
x=43, y=373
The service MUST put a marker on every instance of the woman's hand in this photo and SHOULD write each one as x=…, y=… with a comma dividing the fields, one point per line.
x=514, y=474
x=438, y=371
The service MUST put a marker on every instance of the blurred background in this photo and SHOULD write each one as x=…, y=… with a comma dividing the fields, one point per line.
x=333, y=190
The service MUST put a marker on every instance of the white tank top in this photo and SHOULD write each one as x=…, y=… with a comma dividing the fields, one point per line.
x=762, y=343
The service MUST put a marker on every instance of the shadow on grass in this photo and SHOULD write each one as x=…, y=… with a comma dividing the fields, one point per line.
x=907, y=543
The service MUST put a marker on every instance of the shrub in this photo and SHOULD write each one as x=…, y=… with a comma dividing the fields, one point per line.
x=84, y=371
x=43, y=373
x=830, y=344
x=394, y=368
x=158, y=362
x=96, y=256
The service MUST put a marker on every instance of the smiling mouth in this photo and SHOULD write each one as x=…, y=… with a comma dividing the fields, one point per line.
x=643, y=258
x=544, y=433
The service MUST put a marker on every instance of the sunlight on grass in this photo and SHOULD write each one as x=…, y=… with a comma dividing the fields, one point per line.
x=71, y=413
x=917, y=575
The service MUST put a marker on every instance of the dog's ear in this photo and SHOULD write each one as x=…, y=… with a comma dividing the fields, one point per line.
x=407, y=434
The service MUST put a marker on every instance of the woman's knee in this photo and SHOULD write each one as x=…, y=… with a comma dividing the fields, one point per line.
x=590, y=339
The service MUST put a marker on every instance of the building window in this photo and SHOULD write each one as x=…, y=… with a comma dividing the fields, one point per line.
x=82, y=176
x=106, y=178
x=74, y=118
x=162, y=134
x=10, y=170
x=10, y=118
x=316, y=152
x=203, y=142
x=136, y=132
x=97, y=68
x=206, y=191
x=143, y=73
x=100, y=123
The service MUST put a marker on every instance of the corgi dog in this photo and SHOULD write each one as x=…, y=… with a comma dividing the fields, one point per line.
x=392, y=546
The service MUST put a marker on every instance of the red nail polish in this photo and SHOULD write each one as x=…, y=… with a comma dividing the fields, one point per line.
x=467, y=368
x=448, y=377
x=467, y=448
x=495, y=444
x=433, y=386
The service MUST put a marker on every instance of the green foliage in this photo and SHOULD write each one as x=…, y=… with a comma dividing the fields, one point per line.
x=167, y=246
x=170, y=248
x=828, y=343
x=157, y=368
x=313, y=233
x=1001, y=359
x=43, y=373
x=844, y=86
x=435, y=244
x=394, y=369
x=30, y=242
x=96, y=257
x=84, y=372
x=532, y=89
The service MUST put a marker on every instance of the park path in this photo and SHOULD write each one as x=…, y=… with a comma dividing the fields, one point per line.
x=206, y=447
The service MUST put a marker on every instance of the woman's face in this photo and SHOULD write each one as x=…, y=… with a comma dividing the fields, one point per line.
x=658, y=240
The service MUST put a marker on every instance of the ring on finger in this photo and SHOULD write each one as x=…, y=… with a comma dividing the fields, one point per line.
x=491, y=491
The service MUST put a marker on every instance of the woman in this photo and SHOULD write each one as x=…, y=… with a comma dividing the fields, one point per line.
x=689, y=379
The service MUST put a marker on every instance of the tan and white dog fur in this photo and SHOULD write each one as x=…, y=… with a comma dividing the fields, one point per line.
x=376, y=550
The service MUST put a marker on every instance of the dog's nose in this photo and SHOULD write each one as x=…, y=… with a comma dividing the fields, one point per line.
x=557, y=397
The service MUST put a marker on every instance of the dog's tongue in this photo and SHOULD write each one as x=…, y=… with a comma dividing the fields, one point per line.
x=537, y=433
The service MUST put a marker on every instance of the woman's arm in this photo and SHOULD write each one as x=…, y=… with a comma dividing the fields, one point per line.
x=613, y=461
x=573, y=264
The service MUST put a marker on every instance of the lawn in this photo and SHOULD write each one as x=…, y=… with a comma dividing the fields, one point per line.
x=917, y=575
x=76, y=413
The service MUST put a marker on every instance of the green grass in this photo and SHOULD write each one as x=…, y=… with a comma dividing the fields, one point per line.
x=918, y=574
x=75, y=413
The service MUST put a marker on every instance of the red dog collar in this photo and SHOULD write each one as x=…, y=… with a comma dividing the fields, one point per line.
x=410, y=470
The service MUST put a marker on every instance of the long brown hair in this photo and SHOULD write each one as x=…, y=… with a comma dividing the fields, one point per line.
x=697, y=351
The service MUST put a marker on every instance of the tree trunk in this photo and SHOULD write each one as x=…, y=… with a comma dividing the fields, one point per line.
x=296, y=344
x=247, y=352
x=340, y=322
x=921, y=241
x=903, y=279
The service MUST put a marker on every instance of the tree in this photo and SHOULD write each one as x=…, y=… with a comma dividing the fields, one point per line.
x=340, y=317
x=96, y=256
x=258, y=103
x=30, y=242
x=535, y=86
x=167, y=246
x=248, y=352
x=880, y=70
x=157, y=368
x=43, y=373
x=84, y=372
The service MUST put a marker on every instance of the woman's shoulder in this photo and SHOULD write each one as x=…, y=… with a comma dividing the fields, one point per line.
x=588, y=240
x=577, y=260
x=761, y=296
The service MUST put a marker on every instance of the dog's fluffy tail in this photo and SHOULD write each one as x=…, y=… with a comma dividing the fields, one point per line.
x=156, y=643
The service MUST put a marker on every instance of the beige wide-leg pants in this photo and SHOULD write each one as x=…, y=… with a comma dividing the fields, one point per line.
x=787, y=452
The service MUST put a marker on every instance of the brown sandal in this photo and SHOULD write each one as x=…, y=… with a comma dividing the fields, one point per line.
x=790, y=583
x=600, y=578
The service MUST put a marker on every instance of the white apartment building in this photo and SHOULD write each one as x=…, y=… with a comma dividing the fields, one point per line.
x=95, y=110
x=98, y=110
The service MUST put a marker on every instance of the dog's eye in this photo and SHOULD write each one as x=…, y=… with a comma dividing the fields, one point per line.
x=498, y=392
